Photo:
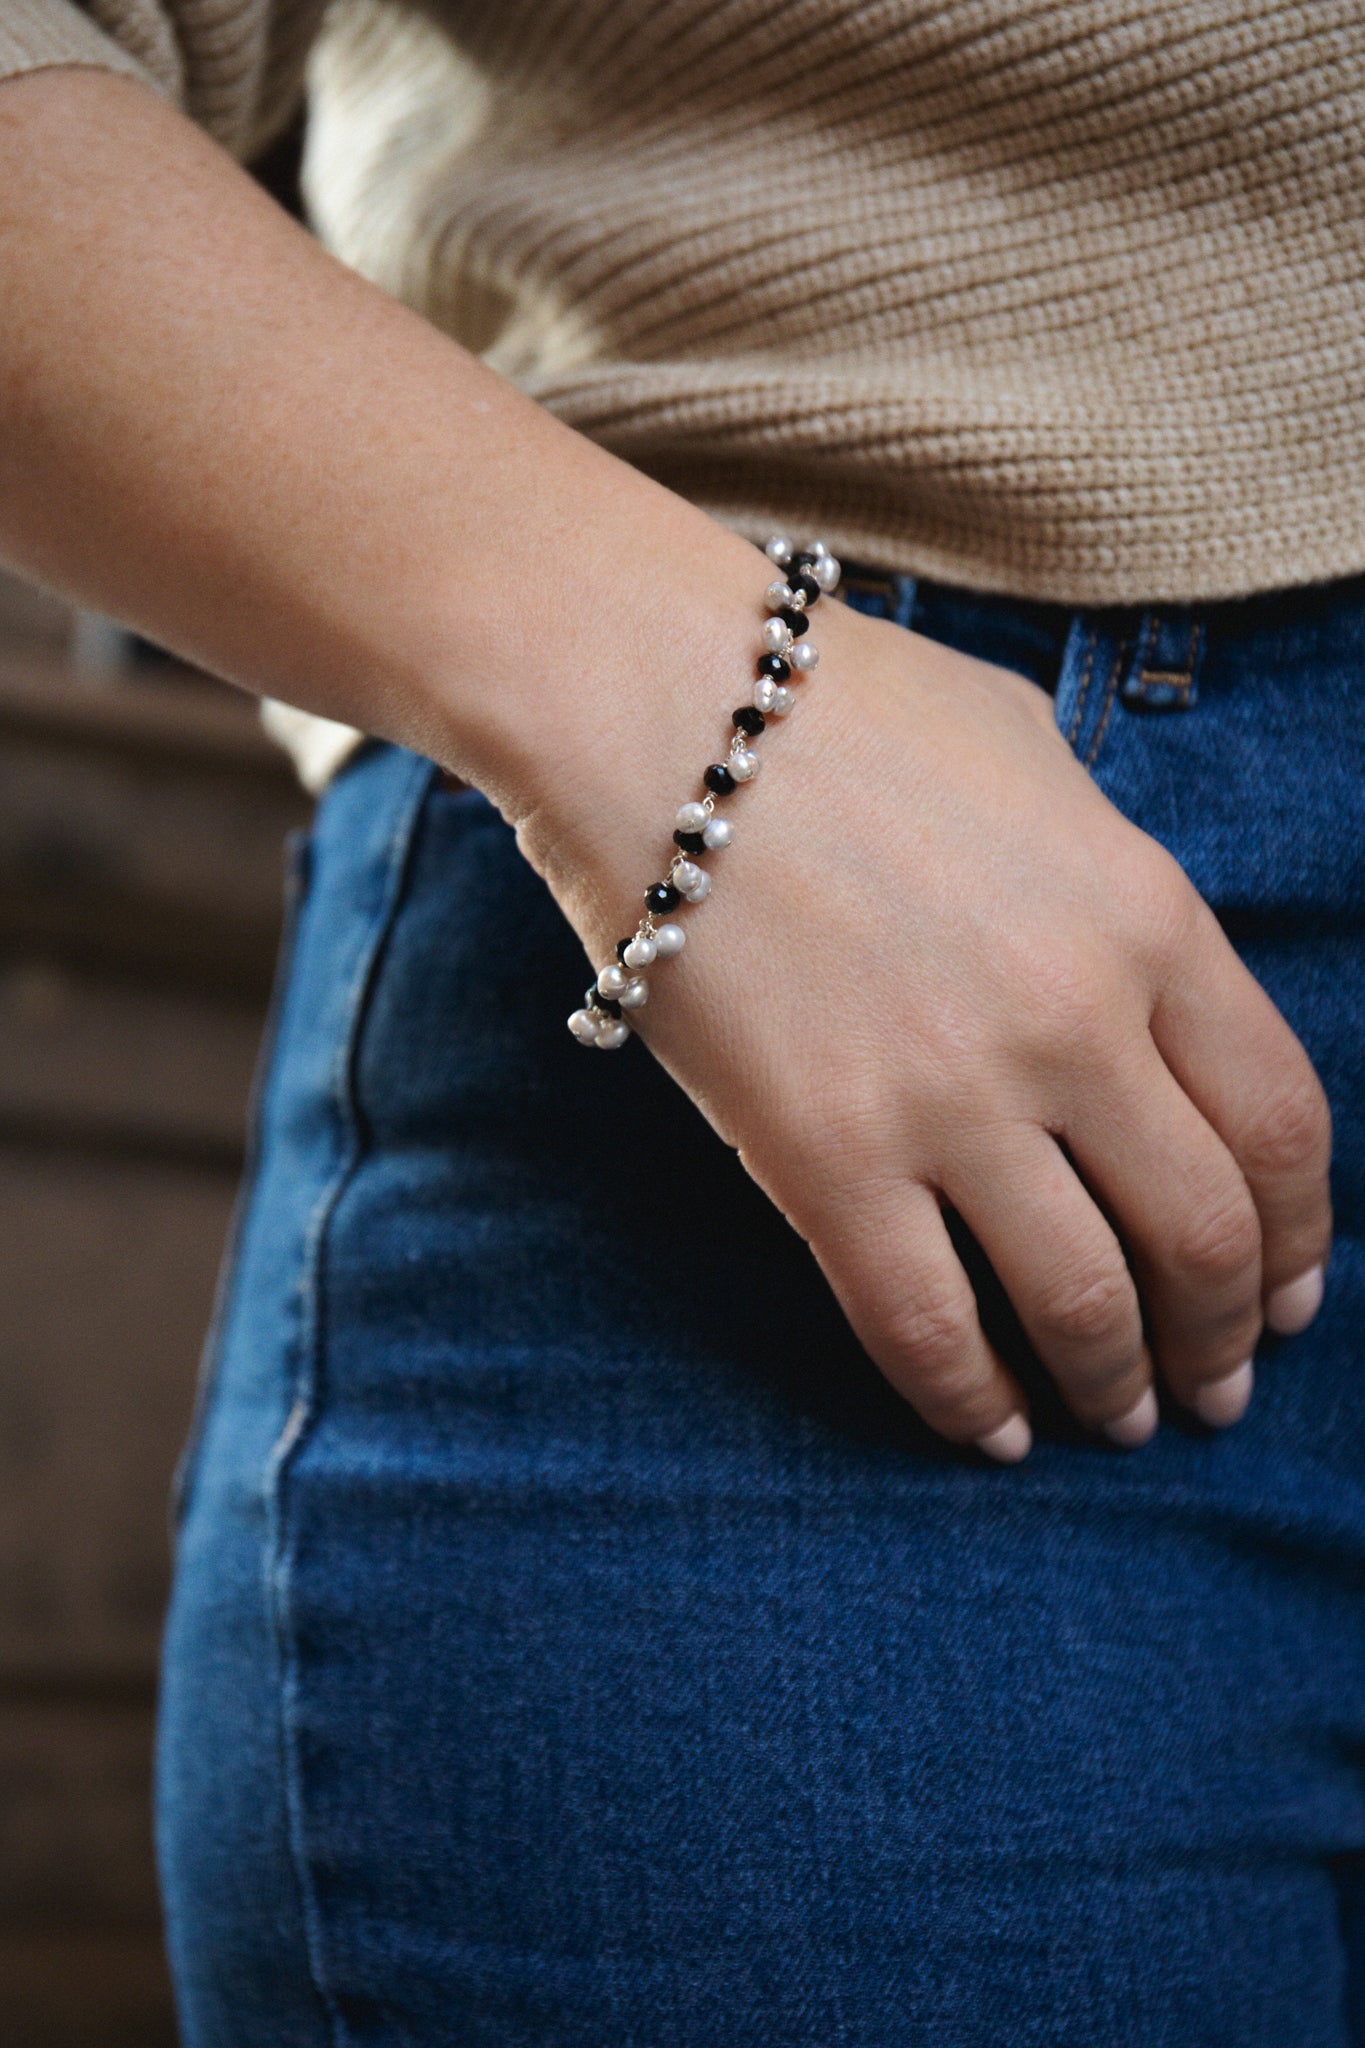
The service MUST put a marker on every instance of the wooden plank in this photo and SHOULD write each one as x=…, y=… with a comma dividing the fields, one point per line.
x=172, y=713
x=107, y=1271
x=75, y=1816
x=136, y=864
x=84, y=1988
x=113, y=1064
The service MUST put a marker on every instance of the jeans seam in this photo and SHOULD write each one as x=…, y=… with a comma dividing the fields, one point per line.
x=1111, y=691
x=1092, y=644
x=304, y=1408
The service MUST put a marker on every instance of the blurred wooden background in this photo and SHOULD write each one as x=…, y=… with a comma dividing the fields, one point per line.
x=142, y=815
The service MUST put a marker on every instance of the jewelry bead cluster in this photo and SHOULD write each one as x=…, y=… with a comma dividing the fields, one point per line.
x=622, y=987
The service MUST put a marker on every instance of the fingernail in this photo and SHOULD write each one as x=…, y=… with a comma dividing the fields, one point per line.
x=1138, y=1426
x=1008, y=1444
x=1223, y=1402
x=1291, y=1308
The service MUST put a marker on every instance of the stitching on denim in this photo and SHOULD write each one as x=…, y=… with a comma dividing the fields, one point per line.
x=1181, y=679
x=303, y=1409
x=1107, y=712
x=1092, y=643
x=1147, y=635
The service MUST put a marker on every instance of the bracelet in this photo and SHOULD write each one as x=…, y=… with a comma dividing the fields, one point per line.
x=622, y=987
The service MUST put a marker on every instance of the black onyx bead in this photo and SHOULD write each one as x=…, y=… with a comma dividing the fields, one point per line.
x=802, y=560
x=662, y=896
x=718, y=779
x=593, y=1000
x=751, y=720
x=796, y=620
x=690, y=842
x=805, y=587
x=773, y=665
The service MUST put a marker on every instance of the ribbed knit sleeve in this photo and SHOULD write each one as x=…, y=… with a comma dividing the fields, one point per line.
x=1064, y=298
x=35, y=35
x=234, y=66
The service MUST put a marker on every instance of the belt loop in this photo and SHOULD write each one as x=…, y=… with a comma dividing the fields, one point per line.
x=1164, y=672
x=903, y=600
x=885, y=593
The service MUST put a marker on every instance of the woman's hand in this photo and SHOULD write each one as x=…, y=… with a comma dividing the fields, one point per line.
x=939, y=967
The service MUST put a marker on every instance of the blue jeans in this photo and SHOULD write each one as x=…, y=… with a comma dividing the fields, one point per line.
x=575, y=1642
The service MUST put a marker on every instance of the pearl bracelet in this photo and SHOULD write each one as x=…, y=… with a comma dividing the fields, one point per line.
x=622, y=986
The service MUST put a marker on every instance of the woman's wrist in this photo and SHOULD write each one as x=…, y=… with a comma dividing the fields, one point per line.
x=594, y=728
x=785, y=657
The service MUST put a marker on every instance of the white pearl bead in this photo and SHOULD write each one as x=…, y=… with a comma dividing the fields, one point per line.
x=743, y=764
x=613, y=1035
x=827, y=573
x=686, y=874
x=816, y=548
x=583, y=1024
x=765, y=689
x=804, y=657
x=777, y=635
x=779, y=549
x=700, y=889
x=783, y=702
x=691, y=817
x=642, y=952
x=778, y=594
x=670, y=939
x=612, y=980
x=635, y=995
x=718, y=833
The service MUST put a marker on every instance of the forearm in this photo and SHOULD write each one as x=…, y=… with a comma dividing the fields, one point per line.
x=938, y=952
x=211, y=429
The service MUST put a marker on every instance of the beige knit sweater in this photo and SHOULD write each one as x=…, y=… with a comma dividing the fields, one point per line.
x=1059, y=297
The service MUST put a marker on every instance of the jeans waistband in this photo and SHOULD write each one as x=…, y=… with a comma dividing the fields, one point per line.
x=1160, y=647
x=1019, y=633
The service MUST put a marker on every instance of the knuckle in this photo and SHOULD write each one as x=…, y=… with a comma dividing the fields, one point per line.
x=960, y=1400
x=836, y=1119
x=1293, y=1129
x=1169, y=909
x=936, y=1333
x=1220, y=1245
x=820, y=1125
x=1090, y=1311
x=1063, y=1005
x=832, y=1157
